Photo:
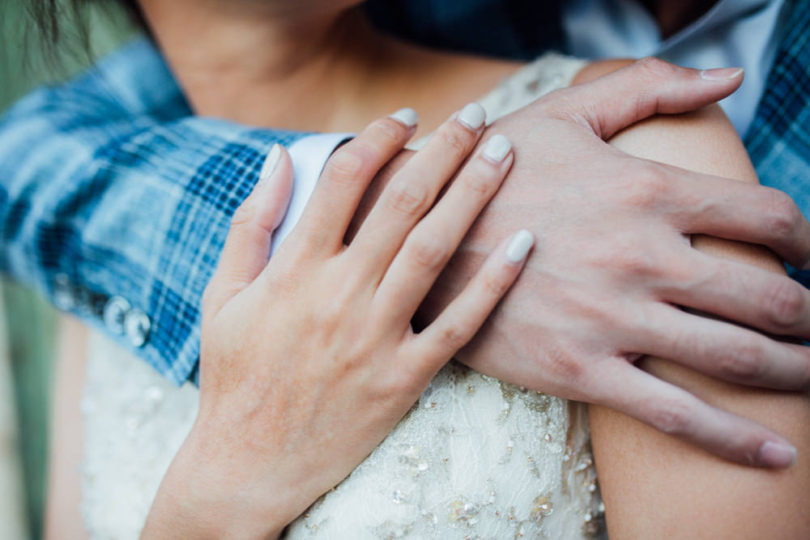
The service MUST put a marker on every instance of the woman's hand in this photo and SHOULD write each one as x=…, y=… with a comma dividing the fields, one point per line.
x=309, y=361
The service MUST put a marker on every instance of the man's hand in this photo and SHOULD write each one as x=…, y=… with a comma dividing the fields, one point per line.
x=614, y=261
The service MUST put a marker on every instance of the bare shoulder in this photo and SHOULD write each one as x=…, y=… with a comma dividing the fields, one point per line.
x=642, y=471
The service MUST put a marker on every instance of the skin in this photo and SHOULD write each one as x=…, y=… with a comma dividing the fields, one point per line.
x=592, y=282
x=62, y=517
x=641, y=470
x=337, y=331
x=193, y=76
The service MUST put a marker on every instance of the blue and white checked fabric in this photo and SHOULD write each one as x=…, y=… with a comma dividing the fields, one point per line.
x=779, y=138
x=108, y=182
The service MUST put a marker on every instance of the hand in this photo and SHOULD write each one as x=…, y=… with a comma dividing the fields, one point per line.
x=309, y=361
x=615, y=261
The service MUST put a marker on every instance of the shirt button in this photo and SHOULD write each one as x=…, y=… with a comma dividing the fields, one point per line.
x=83, y=300
x=63, y=293
x=115, y=313
x=136, y=327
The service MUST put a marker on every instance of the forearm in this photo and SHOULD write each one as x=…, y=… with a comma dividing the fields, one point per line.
x=650, y=482
x=98, y=201
x=202, y=498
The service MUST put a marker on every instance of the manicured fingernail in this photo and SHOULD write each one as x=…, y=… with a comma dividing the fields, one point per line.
x=497, y=148
x=270, y=164
x=406, y=117
x=519, y=247
x=721, y=74
x=773, y=454
x=472, y=116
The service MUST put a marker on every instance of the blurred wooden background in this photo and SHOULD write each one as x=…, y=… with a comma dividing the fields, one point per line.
x=26, y=321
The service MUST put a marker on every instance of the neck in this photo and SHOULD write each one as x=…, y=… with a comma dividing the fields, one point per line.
x=291, y=66
x=674, y=16
x=257, y=62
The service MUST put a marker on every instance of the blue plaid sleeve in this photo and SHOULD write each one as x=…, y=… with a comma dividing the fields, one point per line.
x=778, y=140
x=115, y=201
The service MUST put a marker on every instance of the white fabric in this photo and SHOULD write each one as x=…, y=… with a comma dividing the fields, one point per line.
x=308, y=156
x=738, y=33
x=474, y=458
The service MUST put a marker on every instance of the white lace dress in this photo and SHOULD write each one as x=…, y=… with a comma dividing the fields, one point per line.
x=474, y=458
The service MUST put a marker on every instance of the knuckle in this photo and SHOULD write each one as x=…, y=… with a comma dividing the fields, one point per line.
x=245, y=214
x=402, y=381
x=654, y=66
x=429, y=253
x=345, y=165
x=649, y=187
x=746, y=363
x=635, y=262
x=481, y=183
x=672, y=416
x=562, y=366
x=408, y=198
x=456, y=140
x=397, y=383
x=495, y=284
x=386, y=132
x=454, y=336
x=285, y=279
x=785, y=302
x=784, y=214
x=330, y=314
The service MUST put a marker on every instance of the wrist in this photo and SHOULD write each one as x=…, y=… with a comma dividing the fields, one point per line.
x=211, y=494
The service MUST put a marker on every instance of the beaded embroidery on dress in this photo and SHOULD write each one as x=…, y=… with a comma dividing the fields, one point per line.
x=474, y=458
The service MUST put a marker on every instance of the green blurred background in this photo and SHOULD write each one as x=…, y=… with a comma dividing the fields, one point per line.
x=31, y=323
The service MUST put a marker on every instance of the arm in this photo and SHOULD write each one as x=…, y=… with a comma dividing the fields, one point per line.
x=109, y=188
x=613, y=262
x=64, y=214
x=656, y=486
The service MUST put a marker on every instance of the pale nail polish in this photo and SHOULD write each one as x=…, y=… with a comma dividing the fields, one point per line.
x=779, y=455
x=472, y=116
x=270, y=164
x=497, y=148
x=519, y=247
x=406, y=117
x=721, y=74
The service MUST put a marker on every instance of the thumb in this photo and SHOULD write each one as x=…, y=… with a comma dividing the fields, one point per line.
x=247, y=246
x=646, y=87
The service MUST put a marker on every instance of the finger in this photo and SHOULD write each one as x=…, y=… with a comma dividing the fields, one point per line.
x=462, y=318
x=413, y=189
x=724, y=351
x=744, y=294
x=730, y=209
x=433, y=241
x=247, y=246
x=676, y=412
x=346, y=176
x=646, y=87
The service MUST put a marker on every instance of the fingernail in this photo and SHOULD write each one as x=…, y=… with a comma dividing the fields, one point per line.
x=519, y=247
x=406, y=117
x=472, y=116
x=721, y=74
x=497, y=148
x=780, y=455
x=270, y=164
